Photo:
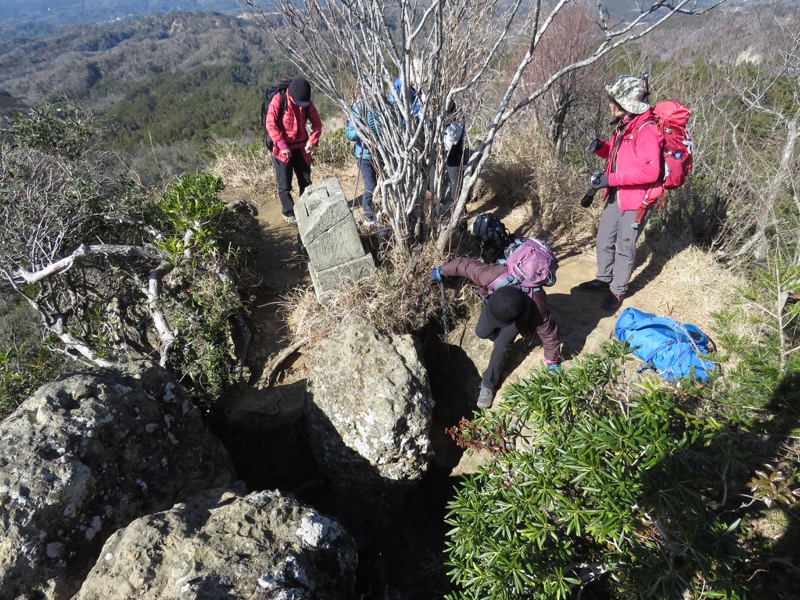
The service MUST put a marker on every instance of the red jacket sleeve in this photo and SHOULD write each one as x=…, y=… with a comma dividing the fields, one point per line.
x=275, y=131
x=546, y=328
x=604, y=149
x=316, y=124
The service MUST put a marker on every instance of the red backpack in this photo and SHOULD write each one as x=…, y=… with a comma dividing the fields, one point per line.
x=671, y=120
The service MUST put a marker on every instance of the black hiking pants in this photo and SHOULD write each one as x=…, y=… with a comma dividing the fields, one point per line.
x=283, y=175
x=503, y=338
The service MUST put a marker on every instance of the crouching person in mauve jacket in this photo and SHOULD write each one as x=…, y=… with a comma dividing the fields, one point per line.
x=506, y=313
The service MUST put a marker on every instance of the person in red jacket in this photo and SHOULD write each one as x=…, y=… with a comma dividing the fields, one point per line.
x=292, y=147
x=631, y=184
x=506, y=313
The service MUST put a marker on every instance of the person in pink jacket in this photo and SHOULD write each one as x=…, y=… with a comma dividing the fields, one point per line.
x=292, y=147
x=631, y=184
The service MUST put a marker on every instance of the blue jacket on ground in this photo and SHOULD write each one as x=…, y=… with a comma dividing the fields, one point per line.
x=673, y=349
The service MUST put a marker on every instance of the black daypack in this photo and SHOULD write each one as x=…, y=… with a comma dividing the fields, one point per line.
x=492, y=236
x=279, y=86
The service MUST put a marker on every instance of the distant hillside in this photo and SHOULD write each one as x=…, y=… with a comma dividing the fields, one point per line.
x=95, y=64
x=59, y=13
x=157, y=83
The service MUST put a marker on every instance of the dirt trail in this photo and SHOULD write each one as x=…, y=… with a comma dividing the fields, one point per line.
x=583, y=324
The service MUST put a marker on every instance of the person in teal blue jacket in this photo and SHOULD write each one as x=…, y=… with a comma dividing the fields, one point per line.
x=363, y=119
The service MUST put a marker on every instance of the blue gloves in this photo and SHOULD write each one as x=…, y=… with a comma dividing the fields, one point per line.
x=436, y=275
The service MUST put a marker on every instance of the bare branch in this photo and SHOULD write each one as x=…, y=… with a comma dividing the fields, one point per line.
x=445, y=48
x=81, y=253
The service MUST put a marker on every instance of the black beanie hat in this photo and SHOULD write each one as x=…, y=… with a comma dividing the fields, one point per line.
x=300, y=91
x=505, y=306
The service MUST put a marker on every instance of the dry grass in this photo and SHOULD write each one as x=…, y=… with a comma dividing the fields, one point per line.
x=240, y=166
x=536, y=193
x=250, y=167
x=398, y=298
x=693, y=283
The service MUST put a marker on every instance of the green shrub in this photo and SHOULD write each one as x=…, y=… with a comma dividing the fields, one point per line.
x=60, y=128
x=592, y=482
x=192, y=212
x=766, y=359
x=334, y=149
x=201, y=302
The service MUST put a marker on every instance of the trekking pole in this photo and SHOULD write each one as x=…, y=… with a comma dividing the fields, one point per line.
x=444, y=309
x=358, y=176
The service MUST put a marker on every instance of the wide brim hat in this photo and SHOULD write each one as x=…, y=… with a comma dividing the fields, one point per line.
x=505, y=306
x=629, y=92
x=300, y=91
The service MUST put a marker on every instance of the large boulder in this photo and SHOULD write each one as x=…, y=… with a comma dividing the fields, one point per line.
x=369, y=409
x=87, y=455
x=219, y=544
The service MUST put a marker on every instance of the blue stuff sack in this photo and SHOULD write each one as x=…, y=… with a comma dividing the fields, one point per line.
x=672, y=348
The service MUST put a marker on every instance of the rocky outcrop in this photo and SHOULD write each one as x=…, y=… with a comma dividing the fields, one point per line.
x=369, y=409
x=87, y=455
x=219, y=544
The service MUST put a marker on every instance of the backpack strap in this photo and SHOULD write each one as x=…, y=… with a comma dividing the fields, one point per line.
x=282, y=106
x=501, y=281
x=505, y=280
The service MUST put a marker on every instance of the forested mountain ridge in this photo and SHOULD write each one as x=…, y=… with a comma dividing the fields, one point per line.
x=58, y=13
x=162, y=79
x=162, y=68
x=92, y=63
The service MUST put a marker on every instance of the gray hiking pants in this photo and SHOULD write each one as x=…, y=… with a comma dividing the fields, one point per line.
x=616, y=246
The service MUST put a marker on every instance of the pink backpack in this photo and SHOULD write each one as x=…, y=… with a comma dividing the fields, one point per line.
x=530, y=264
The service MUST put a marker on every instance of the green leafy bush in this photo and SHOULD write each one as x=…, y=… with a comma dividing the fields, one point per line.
x=193, y=217
x=201, y=302
x=114, y=273
x=765, y=357
x=59, y=127
x=592, y=482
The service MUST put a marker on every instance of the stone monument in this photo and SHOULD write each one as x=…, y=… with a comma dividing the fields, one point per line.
x=328, y=232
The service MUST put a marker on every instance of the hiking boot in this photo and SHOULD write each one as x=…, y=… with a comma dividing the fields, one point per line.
x=612, y=301
x=486, y=397
x=595, y=285
x=290, y=220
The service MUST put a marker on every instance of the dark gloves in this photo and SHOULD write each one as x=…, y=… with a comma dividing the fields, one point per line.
x=594, y=145
x=599, y=180
x=436, y=275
